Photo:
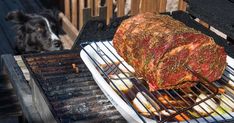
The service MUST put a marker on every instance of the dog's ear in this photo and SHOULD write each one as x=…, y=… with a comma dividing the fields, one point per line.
x=17, y=17
x=50, y=13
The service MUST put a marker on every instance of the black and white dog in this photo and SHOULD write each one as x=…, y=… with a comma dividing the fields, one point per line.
x=35, y=32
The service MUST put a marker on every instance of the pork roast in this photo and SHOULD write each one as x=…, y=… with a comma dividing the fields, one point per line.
x=158, y=47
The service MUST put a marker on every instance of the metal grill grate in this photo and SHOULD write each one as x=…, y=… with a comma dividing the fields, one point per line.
x=69, y=88
x=187, y=105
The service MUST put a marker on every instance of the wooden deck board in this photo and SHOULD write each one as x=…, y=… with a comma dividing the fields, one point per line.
x=7, y=6
x=13, y=5
x=31, y=5
x=5, y=47
x=6, y=31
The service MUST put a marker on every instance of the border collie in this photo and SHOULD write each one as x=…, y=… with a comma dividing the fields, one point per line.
x=35, y=32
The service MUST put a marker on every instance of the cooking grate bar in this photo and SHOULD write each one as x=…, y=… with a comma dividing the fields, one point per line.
x=187, y=103
x=206, y=81
x=57, y=68
x=220, y=106
x=181, y=105
x=172, y=115
x=62, y=104
x=138, y=86
x=210, y=107
x=55, y=62
x=203, y=108
x=228, y=78
x=68, y=76
x=51, y=56
x=64, y=86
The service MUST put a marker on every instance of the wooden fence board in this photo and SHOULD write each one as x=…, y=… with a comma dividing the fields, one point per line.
x=120, y=7
x=109, y=10
x=67, y=9
x=74, y=13
x=135, y=7
x=182, y=5
x=162, y=6
x=81, y=13
x=96, y=7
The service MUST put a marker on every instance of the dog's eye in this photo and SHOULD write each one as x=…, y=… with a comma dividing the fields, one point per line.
x=39, y=29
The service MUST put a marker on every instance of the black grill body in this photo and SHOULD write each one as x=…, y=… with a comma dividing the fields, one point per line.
x=66, y=95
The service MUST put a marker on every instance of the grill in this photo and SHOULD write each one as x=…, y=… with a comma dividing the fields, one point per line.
x=176, y=105
x=65, y=91
x=177, y=100
x=68, y=91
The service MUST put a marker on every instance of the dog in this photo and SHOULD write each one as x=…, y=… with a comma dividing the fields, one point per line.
x=35, y=33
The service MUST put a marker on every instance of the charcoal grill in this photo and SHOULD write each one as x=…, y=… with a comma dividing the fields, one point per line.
x=57, y=86
x=64, y=90
x=97, y=54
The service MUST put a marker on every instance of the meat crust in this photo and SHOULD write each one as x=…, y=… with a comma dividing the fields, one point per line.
x=158, y=47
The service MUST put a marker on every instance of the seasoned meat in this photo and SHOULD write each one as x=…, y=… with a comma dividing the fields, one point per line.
x=158, y=47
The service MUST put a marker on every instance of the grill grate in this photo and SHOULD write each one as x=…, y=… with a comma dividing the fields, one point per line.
x=71, y=94
x=172, y=105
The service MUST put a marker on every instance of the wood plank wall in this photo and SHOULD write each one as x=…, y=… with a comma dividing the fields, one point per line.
x=79, y=11
x=74, y=9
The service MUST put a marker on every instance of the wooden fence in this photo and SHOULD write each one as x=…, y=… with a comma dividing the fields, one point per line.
x=76, y=12
x=80, y=11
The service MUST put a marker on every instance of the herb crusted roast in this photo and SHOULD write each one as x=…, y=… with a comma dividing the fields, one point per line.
x=158, y=47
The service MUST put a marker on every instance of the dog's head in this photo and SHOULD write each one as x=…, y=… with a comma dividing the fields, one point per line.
x=35, y=32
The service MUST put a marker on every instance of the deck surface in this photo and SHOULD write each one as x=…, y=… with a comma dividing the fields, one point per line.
x=10, y=109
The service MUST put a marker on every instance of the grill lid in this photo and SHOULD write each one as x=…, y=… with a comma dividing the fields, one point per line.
x=217, y=13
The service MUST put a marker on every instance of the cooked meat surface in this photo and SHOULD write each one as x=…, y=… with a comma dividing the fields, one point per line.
x=158, y=47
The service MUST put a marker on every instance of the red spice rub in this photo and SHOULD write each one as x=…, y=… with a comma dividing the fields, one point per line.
x=158, y=47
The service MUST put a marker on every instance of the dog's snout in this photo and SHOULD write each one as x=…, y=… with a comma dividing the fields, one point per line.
x=57, y=43
x=50, y=39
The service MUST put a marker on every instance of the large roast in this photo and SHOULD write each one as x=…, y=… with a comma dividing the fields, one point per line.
x=159, y=47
